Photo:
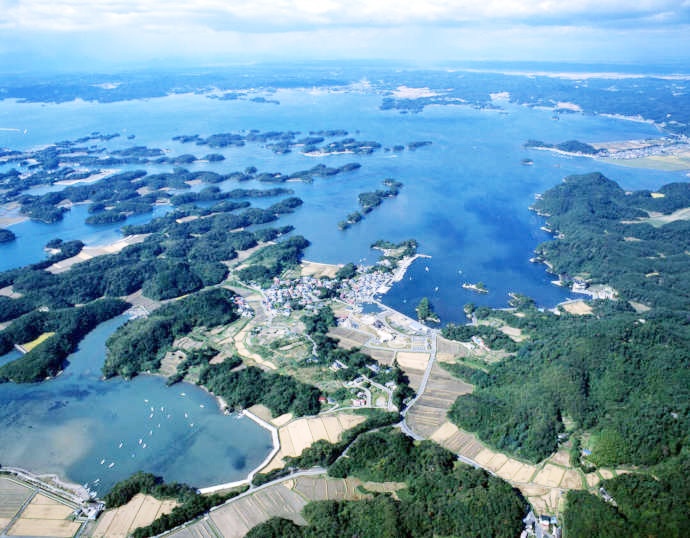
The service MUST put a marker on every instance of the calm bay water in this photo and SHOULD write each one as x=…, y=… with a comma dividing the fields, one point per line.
x=99, y=432
x=465, y=199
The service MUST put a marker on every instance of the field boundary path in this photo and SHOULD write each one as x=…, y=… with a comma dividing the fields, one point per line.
x=284, y=498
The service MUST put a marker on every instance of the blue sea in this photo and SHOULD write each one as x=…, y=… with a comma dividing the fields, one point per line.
x=465, y=199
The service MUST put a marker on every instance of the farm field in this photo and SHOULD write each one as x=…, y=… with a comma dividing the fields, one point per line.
x=12, y=497
x=285, y=499
x=44, y=516
x=139, y=512
x=303, y=432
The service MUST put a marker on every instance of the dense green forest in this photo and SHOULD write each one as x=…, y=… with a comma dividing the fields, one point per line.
x=272, y=260
x=175, y=259
x=606, y=238
x=639, y=506
x=621, y=375
x=180, y=256
x=70, y=325
x=441, y=497
x=140, y=344
x=249, y=386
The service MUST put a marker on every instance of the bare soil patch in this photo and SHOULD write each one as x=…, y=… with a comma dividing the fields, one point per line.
x=319, y=270
x=578, y=308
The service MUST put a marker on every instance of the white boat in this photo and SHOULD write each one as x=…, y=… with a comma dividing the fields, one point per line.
x=140, y=441
x=119, y=446
x=112, y=464
x=102, y=462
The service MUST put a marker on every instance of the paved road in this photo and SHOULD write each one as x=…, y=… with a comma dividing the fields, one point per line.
x=422, y=387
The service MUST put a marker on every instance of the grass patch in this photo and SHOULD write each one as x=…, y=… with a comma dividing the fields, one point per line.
x=38, y=341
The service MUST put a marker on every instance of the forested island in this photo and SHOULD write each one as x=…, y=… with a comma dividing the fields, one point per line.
x=368, y=201
x=6, y=236
x=425, y=311
x=570, y=146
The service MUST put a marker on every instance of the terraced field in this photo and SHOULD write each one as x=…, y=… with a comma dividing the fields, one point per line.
x=286, y=499
x=428, y=414
x=138, y=512
x=542, y=484
x=200, y=529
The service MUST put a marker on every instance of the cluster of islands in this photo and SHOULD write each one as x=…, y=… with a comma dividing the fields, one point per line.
x=572, y=420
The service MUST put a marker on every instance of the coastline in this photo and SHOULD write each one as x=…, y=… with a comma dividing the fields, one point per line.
x=247, y=481
x=403, y=265
x=115, y=246
x=89, y=252
x=674, y=157
x=9, y=215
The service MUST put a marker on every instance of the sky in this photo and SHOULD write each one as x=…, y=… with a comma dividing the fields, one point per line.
x=113, y=34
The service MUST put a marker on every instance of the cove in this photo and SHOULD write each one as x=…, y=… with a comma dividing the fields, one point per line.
x=98, y=432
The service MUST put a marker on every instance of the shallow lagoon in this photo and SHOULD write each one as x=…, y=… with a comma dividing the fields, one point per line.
x=465, y=199
x=77, y=425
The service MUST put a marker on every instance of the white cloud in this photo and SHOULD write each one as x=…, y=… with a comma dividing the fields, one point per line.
x=282, y=15
x=418, y=30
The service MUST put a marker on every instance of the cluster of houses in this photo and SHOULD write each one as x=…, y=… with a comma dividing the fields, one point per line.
x=663, y=146
x=596, y=292
x=544, y=526
x=243, y=307
x=365, y=286
x=305, y=291
x=476, y=342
